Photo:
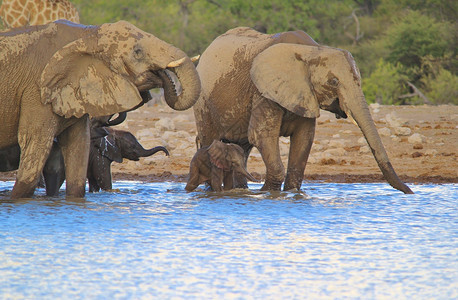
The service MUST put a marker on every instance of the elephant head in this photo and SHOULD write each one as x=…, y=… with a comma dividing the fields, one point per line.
x=119, y=144
x=112, y=62
x=229, y=157
x=304, y=79
x=115, y=146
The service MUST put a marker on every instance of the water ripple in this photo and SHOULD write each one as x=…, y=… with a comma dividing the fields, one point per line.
x=154, y=240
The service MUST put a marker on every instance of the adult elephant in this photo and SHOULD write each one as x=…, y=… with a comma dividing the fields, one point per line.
x=60, y=74
x=257, y=87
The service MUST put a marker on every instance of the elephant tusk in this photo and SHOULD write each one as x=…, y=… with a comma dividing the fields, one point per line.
x=176, y=63
x=195, y=58
x=350, y=118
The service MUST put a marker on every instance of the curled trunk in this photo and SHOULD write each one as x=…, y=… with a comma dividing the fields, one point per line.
x=149, y=152
x=186, y=74
x=119, y=119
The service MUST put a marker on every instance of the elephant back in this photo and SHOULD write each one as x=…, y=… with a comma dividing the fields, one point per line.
x=232, y=50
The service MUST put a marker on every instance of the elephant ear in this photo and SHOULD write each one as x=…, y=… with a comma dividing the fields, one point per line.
x=281, y=74
x=108, y=148
x=80, y=78
x=217, y=152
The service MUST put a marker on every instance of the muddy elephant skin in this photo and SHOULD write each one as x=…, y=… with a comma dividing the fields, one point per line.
x=60, y=74
x=257, y=87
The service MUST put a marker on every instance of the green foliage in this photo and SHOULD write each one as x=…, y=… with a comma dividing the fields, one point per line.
x=385, y=84
x=393, y=41
x=443, y=87
x=415, y=36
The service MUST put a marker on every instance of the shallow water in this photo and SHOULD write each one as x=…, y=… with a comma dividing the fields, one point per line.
x=154, y=240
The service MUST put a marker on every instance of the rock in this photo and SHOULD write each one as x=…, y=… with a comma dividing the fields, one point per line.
x=416, y=138
x=178, y=140
x=183, y=134
x=417, y=154
x=336, y=152
x=317, y=147
x=418, y=146
x=144, y=133
x=165, y=124
x=337, y=143
x=393, y=121
x=431, y=152
x=375, y=107
x=362, y=141
x=284, y=149
x=402, y=131
x=311, y=160
x=180, y=119
x=336, y=136
x=364, y=150
x=395, y=138
x=385, y=131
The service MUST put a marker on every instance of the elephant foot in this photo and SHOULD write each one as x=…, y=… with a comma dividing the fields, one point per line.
x=271, y=186
x=288, y=187
x=293, y=180
x=22, y=190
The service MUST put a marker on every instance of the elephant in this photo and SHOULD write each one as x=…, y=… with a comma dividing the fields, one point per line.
x=53, y=174
x=60, y=74
x=112, y=146
x=118, y=144
x=257, y=87
x=215, y=165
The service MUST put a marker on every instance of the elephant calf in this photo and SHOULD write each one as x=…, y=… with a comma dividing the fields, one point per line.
x=215, y=164
x=118, y=144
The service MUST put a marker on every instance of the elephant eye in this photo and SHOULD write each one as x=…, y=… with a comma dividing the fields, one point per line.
x=138, y=52
x=334, y=81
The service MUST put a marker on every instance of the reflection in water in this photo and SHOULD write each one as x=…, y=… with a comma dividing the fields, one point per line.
x=154, y=240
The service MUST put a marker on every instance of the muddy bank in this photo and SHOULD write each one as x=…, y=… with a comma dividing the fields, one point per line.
x=421, y=141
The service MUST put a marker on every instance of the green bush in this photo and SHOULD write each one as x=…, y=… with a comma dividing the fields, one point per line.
x=416, y=36
x=443, y=88
x=385, y=84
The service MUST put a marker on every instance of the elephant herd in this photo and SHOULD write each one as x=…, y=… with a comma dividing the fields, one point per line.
x=61, y=83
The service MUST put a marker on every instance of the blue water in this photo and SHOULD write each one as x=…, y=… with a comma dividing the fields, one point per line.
x=155, y=241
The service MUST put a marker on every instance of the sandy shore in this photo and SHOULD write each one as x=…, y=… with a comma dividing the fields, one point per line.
x=421, y=141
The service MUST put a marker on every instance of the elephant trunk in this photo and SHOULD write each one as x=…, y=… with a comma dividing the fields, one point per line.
x=245, y=173
x=149, y=152
x=359, y=110
x=186, y=75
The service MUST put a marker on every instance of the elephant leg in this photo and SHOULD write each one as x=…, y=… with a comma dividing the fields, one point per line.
x=93, y=186
x=104, y=180
x=216, y=179
x=275, y=171
x=263, y=133
x=35, y=143
x=240, y=180
x=300, y=144
x=54, y=171
x=30, y=167
x=228, y=180
x=74, y=142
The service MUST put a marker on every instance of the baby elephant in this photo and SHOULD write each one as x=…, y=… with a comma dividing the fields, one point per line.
x=118, y=144
x=215, y=165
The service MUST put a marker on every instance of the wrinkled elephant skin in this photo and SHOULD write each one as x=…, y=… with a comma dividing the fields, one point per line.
x=257, y=87
x=61, y=73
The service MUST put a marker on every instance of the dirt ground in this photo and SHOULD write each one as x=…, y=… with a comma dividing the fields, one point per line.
x=421, y=141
